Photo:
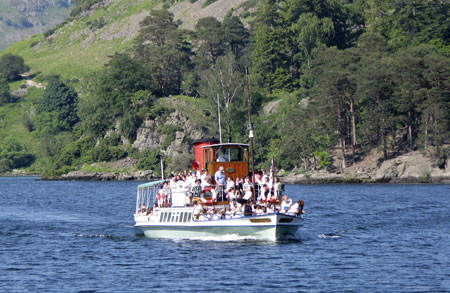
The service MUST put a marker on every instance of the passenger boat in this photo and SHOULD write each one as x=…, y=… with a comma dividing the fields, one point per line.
x=176, y=219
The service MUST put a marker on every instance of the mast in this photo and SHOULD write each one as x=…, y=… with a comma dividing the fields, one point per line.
x=250, y=134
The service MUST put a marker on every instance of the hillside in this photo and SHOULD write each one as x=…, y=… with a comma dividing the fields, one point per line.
x=20, y=19
x=82, y=44
x=338, y=89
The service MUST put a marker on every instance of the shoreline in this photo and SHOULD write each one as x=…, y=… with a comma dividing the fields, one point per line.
x=307, y=178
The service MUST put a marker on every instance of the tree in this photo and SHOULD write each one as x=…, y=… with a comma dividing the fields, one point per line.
x=11, y=66
x=236, y=36
x=375, y=90
x=270, y=56
x=59, y=103
x=163, y=49
x=224, y=84
x=335, y=96
x=310, y=32
x=435, y=105
x=209, y=36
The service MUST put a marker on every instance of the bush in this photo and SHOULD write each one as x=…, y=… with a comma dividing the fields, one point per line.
x=11, y=66
x=14, y=155
x=149, y=160
x=104, y=153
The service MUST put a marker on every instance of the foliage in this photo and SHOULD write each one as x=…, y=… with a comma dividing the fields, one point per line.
x=11, y=66
x=13, y=154
x=162, y=47
x=149, y=160
x=57, y=109
x=5, y=96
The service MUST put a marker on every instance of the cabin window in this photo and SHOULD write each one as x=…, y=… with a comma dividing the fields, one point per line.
x=169, y=216
x=185, y=216
x=189, y=217
x=161, y=217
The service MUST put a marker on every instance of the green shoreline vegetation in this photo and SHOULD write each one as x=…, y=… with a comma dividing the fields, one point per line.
x=330, y=82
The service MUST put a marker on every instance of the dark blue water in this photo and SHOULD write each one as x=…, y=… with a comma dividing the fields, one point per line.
x=79, y=237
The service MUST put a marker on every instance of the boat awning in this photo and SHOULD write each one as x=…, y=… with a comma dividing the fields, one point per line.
x=151, y=184
x=226, y=145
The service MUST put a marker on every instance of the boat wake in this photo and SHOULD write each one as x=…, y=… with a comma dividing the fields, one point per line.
x=329, y=235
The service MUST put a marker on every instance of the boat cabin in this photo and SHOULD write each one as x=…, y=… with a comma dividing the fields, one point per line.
x=232, y=156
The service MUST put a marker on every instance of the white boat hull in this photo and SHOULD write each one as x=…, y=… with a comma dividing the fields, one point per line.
x=272, y=227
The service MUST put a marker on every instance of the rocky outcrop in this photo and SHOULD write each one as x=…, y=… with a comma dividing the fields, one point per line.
x=413, y=167
x=188, y=120
x=105, y=176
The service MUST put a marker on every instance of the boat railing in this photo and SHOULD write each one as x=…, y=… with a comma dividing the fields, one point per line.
x=147, y=195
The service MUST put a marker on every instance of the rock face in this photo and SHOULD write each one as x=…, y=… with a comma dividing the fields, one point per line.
x=413, y=167
x=95, y=176
x=189, y=123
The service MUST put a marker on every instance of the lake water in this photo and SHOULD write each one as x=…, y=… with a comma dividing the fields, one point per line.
x=79, y=237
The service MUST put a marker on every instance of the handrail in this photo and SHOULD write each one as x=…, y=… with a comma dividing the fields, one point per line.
x=151, y=184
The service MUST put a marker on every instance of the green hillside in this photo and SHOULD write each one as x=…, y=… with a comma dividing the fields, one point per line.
x=330, y=82
x=82, y=43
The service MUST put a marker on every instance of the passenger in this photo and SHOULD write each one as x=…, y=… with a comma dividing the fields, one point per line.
x=260, y=210
x=204, y=176
x=155, y=208
x=285, y=204
x=229, y=184
x=219, y=177
x=248, y=194
x=297, y=208
x=196, y=188
x=248, y=211
x=197, y=210
x=238, y=184
x=223, y=157
x=143, y=209
x=203, y=215
x=278, y=188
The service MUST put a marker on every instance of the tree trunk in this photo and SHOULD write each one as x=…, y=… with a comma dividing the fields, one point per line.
x=410, y=143
x=340, y=135
x=353, y=123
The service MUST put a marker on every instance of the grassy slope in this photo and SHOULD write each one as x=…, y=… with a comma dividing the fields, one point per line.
x=75, y=49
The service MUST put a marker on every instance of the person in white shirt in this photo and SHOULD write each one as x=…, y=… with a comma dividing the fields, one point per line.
x=205, y=176
x=285, y=204
x=197, y=210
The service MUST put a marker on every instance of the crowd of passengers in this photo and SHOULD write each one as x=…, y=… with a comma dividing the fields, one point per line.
x=239, y=192
x=247, y=208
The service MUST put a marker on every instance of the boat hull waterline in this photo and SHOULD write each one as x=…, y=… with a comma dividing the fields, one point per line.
x=271, y=227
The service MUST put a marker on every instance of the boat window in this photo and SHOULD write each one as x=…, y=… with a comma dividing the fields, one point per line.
x=184, y=217
x=189, y=217
x=169, y=216
x=161, y=217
